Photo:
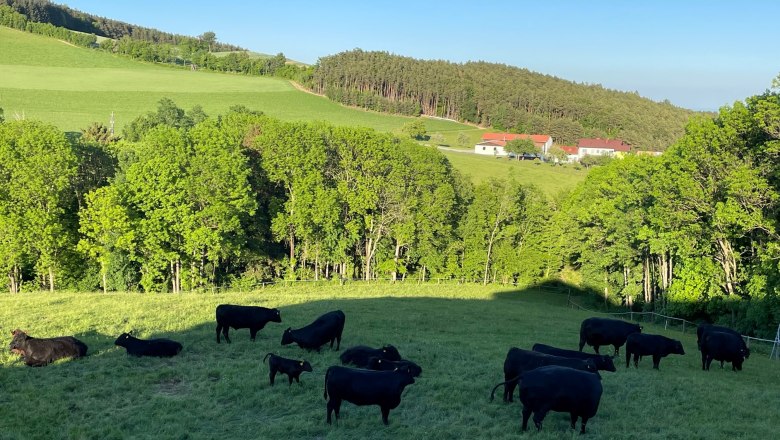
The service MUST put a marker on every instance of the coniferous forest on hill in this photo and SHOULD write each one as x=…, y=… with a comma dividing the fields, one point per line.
x=188, y=201
x=499, y=96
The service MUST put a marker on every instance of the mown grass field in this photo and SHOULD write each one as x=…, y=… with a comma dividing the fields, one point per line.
x=71, y=87
x=459, y=334
x=552, y=179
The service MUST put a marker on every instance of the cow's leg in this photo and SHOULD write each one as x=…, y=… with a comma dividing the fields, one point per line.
x=582, y=342
x=526, y=416
x=573, y=420
x=636, y=360
x=385, y=413
x=253, y=333
x=338, y=342
x=656, y=360
x=703, y=361
x=584, y=421
x=596, y=349
x=290, y=378
x=329, y=408
x=617, y=349
x=272, y=375
x=539, y=416
x=509, y=390
x=297, y=378
x=225, y=331
x=628, y=358
x=709, y=362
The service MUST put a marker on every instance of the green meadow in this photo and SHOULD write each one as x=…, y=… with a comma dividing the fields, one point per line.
x=459, y=334
x=71, y=87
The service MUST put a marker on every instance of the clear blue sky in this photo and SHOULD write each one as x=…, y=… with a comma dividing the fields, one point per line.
x=699, y=54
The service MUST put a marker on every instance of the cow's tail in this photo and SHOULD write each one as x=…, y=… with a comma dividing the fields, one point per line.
x=325, y=394
x=505, y=383
x=266, y=356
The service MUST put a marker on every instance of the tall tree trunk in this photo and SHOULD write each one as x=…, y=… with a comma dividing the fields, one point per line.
x=728, y=263
x=51, y=279
x=395, y=260
x=103, y=270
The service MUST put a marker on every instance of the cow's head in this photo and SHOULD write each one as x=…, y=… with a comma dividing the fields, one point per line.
x=406, y=376
x=287, y=337
x=122, y=340
x=391, y=353
x=590, y=364
x=18, y=342
x=605, y=362
x=305, y=366
x=677, y=348
x=276, y=316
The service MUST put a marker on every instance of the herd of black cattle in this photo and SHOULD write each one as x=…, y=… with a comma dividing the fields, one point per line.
x=549, y=378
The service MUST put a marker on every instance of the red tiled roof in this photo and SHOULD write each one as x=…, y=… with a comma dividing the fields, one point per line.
x=570, y=149
x=613, y=144
x=493, y=143
x=538, y=139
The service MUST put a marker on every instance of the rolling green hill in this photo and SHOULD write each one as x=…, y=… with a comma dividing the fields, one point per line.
x=72, y=87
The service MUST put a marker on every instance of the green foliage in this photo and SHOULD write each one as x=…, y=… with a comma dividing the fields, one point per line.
x=98, y=133
x=415, y=129
x=522, y=147
x=495, y=95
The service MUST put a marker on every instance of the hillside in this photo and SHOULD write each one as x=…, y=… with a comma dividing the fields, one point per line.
x=498, y=96
x=72, y=87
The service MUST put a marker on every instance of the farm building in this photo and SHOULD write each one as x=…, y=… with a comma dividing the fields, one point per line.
x=493, y=144
x=600, y=147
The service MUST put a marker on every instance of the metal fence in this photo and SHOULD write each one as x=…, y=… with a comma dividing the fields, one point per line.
x=684, y=325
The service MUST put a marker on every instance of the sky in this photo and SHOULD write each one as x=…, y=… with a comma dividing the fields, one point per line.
x=698, y=54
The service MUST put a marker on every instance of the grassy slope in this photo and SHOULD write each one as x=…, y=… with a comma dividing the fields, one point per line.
x=551, y=178
x=72, y=87
x=458, y=334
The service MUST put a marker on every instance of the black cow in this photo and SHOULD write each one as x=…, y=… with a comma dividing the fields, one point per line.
x=722, y=347
x=657, y=346
x=326, y=328
x=364, y=387
x=38, y=352
x=559, y=389
x=602, y=331
x=359, y=355
x=602, y=361
x=380, y=364
x=150, y=347
x=291, y=367
x=702, y=328
x=252, y=317
x=519, y=361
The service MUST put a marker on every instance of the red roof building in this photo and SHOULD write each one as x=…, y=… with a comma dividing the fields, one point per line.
x=542, y=141
x=603, y=144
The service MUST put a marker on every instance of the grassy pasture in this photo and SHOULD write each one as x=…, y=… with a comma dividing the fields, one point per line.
x=71, y=87
x=550, y=178
x=458, y=334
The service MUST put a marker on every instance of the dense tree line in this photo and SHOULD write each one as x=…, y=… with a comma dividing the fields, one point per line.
x=188, y=201
x=694, y=231
x=146, y=45
x=496, y=95
x=44, y=11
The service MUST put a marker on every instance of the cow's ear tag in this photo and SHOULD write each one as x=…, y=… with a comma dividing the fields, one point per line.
x=395, y=369
x=384, y=350
x=301, y=364
x=379, y=361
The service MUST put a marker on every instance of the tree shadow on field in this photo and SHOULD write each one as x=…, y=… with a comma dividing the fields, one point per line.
x=222, y=390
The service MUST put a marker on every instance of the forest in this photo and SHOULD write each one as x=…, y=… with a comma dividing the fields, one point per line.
x=496, y=95
x=188, y=201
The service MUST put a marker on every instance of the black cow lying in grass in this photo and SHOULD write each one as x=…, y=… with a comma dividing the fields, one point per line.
x=38, y=352
x=559, y=389
x=657, y=346
x=326, y=328
x=408, y=367
x=364, y=387
x=291, y=367
x=519, y=361
x=148, y=347
x=602, y=361
x=360, y=355
x=252, y=317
